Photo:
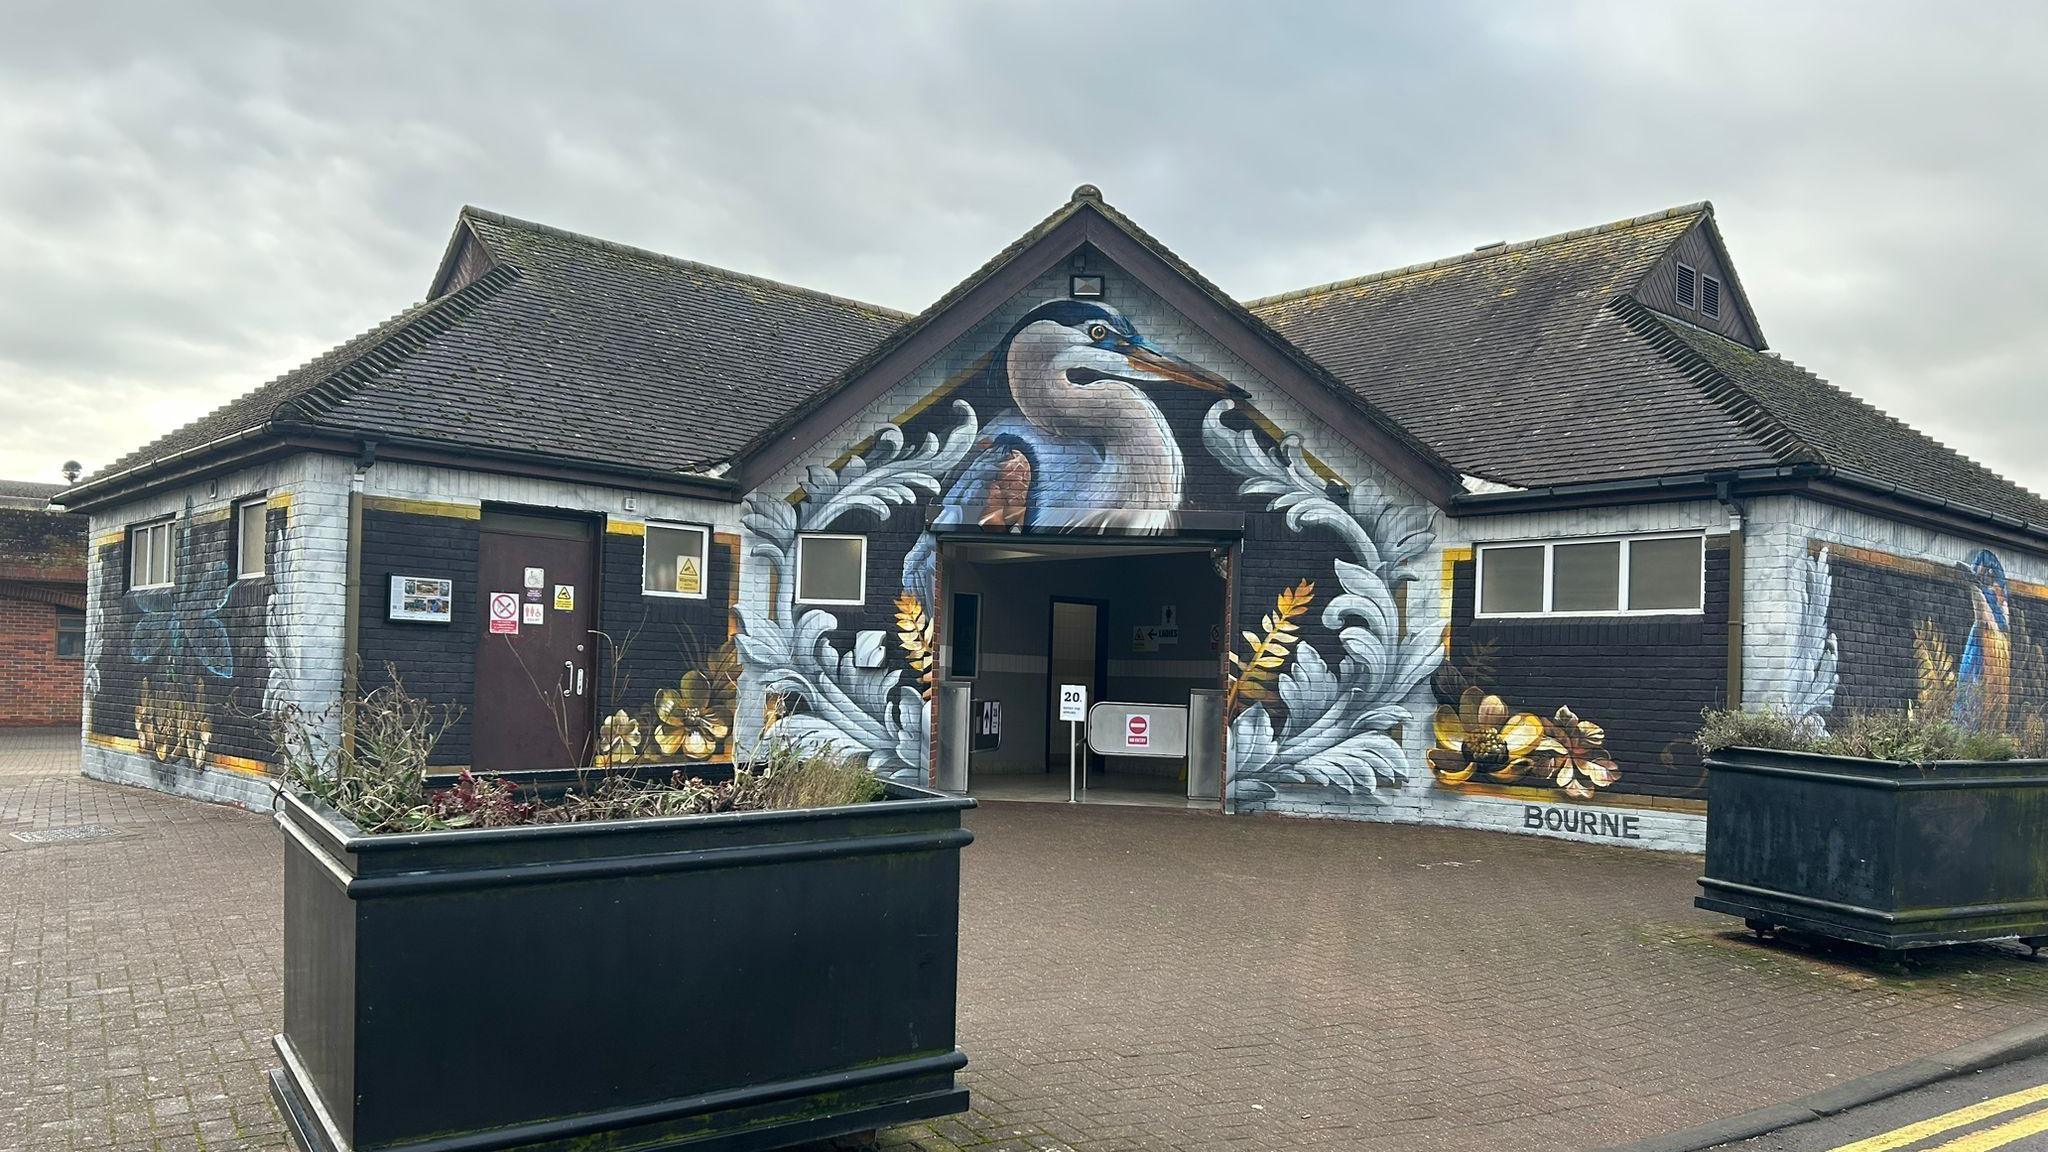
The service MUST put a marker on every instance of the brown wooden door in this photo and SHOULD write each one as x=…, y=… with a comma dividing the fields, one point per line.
x=535, y=673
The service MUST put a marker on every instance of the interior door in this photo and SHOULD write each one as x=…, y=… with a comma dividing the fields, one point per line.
x=535, y=672
x=1076, y=658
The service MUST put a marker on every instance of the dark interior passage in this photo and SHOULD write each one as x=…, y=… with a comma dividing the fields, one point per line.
x=1139, y=623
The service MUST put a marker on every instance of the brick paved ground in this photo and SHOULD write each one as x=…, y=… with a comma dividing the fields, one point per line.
x=1130, y=979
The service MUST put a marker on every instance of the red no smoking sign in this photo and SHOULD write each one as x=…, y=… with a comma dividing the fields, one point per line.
x=504, y=613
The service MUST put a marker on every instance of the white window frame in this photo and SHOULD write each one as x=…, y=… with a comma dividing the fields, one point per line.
x=260, y=505
x=1693, y=304
x=798, y=574
x=1550, y=546
x=703, y=558
x=161, y=530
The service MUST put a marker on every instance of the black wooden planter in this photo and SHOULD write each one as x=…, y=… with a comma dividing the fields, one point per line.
x=736, y=981
x=1878, y=852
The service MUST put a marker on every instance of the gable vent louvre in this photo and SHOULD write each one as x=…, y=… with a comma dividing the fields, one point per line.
x=1710, y=297
x=1687, y=279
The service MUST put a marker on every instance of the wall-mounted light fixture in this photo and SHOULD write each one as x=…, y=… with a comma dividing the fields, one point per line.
x=1086, y=286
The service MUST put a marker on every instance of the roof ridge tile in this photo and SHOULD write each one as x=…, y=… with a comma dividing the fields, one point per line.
x=471, y=211
x=1696, y=208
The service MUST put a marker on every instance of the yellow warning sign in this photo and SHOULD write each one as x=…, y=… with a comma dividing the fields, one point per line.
x=565, y=597
x=688, y=578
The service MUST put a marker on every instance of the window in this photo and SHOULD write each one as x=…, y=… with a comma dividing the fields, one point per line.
x=1621, y=576
x=150, y=555
x=1687, y=280
x=677, y=561
x=250, y=518
x=1710, y=297
x=831, y=569
x=1512, y=581
x=964, y=635
x=70, y=634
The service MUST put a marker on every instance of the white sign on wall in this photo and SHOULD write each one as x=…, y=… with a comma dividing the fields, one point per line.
x=1073, y=702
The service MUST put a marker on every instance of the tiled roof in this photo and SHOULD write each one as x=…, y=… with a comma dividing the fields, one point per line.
x=1507, y=360
x=1533, y=365
x=1087, y=196
x=28, y=490
x=570, y=347
x=1526, y=364
x=1831, y=427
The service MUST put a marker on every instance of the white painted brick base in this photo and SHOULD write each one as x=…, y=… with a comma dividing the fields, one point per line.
x=215, y=785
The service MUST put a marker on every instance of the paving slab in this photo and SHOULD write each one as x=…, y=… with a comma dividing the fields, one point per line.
x=1131, y=978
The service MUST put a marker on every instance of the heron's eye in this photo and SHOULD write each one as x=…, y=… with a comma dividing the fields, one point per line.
x=1098, y=331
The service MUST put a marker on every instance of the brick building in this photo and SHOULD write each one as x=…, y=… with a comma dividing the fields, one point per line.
x=1470, y=542
x=42, y=607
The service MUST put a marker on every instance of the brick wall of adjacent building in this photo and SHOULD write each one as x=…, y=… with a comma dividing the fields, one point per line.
x=37, y=687
x=42, y=579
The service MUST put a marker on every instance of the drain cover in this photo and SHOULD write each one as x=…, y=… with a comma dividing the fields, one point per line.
x=75, y=834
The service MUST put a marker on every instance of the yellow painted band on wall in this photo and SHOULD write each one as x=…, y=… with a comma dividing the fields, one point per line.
x=110, y=539
x=282, y=501
x=236, y=764
x=1918, y=566
x=424, y=507
x=624, y=527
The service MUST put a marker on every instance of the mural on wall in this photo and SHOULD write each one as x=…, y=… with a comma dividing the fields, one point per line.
x=1960, y=639
x=167, y=669
x=1578, y=708
x=1335, y=728
x=1816, y=655
x=1082, y=447
x=691, y=721
x=1092, y=419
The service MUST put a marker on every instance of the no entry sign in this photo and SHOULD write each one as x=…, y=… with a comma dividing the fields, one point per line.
x=504, y=613
x=1137, y=730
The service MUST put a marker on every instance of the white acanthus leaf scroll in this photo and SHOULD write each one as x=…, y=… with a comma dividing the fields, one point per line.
x=863, y=712
x=1810, y=694
x=1340, y=725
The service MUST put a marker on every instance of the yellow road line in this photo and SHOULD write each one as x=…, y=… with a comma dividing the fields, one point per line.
x=2032, y=1124
x=1934, y=1126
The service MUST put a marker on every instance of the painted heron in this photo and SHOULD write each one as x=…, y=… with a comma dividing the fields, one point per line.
x=1084, y=449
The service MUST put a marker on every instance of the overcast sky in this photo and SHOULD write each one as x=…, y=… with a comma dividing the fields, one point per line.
x=194, y=198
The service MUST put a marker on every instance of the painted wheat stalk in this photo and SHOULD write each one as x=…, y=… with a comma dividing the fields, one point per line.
x=914, y=633
x=1268, y=653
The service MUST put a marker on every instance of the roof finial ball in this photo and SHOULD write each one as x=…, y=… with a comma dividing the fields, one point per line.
x=1087, y=192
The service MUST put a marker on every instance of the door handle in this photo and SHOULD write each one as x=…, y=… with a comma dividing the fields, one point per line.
x=579, y=681
x=568, y=669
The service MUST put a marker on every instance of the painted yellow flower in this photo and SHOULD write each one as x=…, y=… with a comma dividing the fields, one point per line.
x=684, y=720
x=1579, y=762
x=619, y=738
x=1480, y=735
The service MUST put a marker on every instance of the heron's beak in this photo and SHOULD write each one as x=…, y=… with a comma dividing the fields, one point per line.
x=1166, y=366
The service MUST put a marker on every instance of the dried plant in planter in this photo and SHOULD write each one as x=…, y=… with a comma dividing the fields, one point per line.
x=377, y=779
x=376, y=775
x=1916, y=735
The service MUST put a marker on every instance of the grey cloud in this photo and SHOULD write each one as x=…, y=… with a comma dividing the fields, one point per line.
x=194, y=197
